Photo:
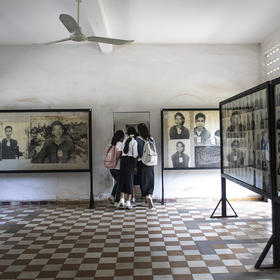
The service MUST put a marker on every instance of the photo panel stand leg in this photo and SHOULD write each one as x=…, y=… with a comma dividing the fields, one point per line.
x=162, y=187
x=223, y=201
x=273, y=242
x=91, y=198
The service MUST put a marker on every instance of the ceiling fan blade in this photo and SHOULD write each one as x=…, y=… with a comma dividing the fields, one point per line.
x=69, y=22
x=57, y=41
x=111, y=41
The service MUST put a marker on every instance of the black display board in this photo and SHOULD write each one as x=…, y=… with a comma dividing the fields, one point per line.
x=250, y=151
x=245, y=139
x=190, y=139
x=41, y=141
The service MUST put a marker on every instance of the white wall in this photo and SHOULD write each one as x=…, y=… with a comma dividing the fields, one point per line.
x=132, y=78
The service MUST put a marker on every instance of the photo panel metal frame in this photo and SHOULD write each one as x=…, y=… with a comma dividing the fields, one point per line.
x=32, y=150
x=246, y=139
x=186, y=146
x=275, y=141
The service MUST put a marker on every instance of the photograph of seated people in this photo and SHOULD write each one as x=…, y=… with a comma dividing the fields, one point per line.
x=235, y=157
x=235, y=129
x=180, y=159
x=58, y=148
x=10, y=149
x=201, y=134
x=179, y=131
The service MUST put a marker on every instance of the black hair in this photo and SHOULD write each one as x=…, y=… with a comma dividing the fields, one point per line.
x=200, y=115
x=217, y=133
x=234, y=114
x=130, y=131
x=143, y=131
x=183, y=145
x=235, y=142
x=58, y=123
x=119, y=134
x=8, y=126
x=180, y=115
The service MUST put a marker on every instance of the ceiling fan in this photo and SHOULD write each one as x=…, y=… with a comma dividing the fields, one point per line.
x=76, y=35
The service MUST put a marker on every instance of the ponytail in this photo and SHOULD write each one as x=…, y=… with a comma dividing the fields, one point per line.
x=131, y=131
x=125, y=150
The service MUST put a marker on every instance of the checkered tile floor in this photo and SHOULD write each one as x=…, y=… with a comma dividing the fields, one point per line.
x=174, y=241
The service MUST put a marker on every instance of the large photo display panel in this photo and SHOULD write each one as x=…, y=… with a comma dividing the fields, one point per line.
x=44, y=140
x=191, y=138
x=245, y=137
x=277, y=132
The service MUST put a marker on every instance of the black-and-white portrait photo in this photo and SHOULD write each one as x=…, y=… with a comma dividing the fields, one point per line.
x=180, y=159
x=187, y=129
x=42, y=141
x=10, y=148
x=201, y=135
x=179, y=131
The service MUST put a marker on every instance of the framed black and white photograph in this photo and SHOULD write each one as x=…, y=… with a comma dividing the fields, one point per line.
x=245, y=138
x=276, y=95
x=190, y=138
x=45, y=140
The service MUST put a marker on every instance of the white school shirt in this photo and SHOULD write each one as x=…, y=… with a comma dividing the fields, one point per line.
x=132, y=148
x=119, y=148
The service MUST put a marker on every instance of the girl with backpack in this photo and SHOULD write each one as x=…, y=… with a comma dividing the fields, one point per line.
x=146, y=161
x=113, y=162
x=128, y=167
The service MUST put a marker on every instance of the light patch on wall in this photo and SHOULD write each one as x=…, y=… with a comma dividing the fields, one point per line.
x=29, y=100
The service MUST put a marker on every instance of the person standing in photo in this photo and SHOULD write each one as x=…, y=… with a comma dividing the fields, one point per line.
x=180, y=159
x=117, y=142
x=128, y=168
x=57, y=149
x=145, y=173
x=179, y=131
x=10, y=149
x=201, y=134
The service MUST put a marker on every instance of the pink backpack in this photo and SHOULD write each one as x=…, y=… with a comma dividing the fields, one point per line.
x=110, y=160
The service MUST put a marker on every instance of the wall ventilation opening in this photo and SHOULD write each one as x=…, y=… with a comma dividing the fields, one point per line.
x=272, y=63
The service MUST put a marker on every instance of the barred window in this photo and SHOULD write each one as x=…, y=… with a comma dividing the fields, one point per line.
x=272, y=63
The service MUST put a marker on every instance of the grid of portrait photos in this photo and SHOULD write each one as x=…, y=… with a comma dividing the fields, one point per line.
x=246, y=140
x=44, y=140
x=191, y=138
x=277, y=129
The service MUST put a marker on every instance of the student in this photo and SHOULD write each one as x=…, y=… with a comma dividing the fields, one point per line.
x=117, y=142
x=180, y=159
x=178, y=131
x=10, y=149
x=201, y=134
x=128, y=167
x=145, y=173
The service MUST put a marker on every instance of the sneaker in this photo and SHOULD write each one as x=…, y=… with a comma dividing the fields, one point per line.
x=111, y=199
x=133, y=200
x=121, y=203
x=150, y=202
x=128, y=204
x=144, y=203
x=116, y=204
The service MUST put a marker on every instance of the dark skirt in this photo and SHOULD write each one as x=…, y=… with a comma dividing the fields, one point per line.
x=116, y=189
x=127, y=174
x=147, y=179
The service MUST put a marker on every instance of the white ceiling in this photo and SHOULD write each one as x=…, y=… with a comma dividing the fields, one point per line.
x=145, y=21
